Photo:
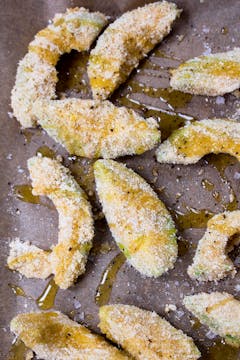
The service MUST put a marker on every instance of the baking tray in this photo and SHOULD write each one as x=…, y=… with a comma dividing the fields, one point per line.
x=196, y=191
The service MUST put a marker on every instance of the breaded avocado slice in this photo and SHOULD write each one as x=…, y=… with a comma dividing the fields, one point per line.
x=52, y=335
x=140, y=223
x=68, y=258
x=219, y=311
x=145, y=335
x=125, y=42
x=190, y=143
x=215, y=74
x=211, y=261
x=93, y=128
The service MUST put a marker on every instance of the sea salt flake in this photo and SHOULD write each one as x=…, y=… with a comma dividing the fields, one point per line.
x=237, y=287
x=210, y=335
x=76, y=304
x=205, y=29
x=9, y=156
x=236, y=176
x=10, y=114
x=220, y=100
x=170, y=307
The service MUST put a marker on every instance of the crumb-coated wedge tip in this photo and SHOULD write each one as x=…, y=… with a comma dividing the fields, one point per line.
x=94, y=129
x=52, y=335
x=29, y=260
x=140, y=223
x=145, y=335
x=125, y=42
x=219, y=311
x=68, y=258
x=211, y=261
x=36, y=77
x=215, y=74
x=190, y=143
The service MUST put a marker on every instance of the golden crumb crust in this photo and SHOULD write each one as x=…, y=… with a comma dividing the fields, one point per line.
x=145, y=335
x=211, y=261
x=94, y=129
x=67, y=259
x=190, y=143
x=52, y=335
x=212, y=75
x=140, y=223
x=125, y=42
x=219, y=311
x=85, y=127
x=36, y=77
x=29, y=260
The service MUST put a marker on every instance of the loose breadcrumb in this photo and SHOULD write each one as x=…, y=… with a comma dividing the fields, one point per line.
x=68, y=258
x=52, y=335
x=215, y=74
x=211, y=261
x=125, y=42
x=219, y=311
x=36, y=74
x=170, y=307
x=93, y=129
x=190, y=143
x=145, y=335
x=138, y=220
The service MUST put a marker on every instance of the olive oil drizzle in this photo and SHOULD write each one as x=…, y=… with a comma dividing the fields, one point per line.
x=221, y=162
x=169, y=99
x=192, y=219
x=104, y=289
x=196, y=324
x=199, y=218
x=30, y=133
x=183, y=246
x=222, y=351
x=18, y=351
x=47, y=299
x=207, y=185
x=73, y=80
x=46, y=151
x=17, y=290
x=173, y=98
x=169, y=120
x=82, y=169
x=24, y=193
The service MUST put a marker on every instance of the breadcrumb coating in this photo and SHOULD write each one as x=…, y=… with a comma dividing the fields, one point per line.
x=52, y=335
x=125, y=42
x=140, y=223
x=68, y=258
x=29, y=260
x=211, y=261
x=215, y=74
x=145, y=335
x=190, y=143
x=36, y=74
x=219, y=311
x=85, y=127
x=93, y=129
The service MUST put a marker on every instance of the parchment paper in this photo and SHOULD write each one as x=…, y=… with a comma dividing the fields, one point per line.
x=201, y=25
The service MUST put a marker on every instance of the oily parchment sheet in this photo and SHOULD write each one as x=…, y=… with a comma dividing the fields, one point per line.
x=205, y=26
